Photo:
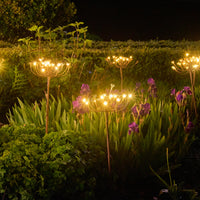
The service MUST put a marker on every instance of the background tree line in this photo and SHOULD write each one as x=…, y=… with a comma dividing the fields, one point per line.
x=17, y=16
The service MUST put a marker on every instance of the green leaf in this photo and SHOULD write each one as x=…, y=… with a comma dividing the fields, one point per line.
x=99, y=69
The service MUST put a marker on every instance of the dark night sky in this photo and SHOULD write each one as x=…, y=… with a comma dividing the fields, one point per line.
x=144, y=20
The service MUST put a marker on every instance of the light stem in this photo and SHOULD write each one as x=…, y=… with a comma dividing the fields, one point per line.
x=121, y=74
x=107, y=137
x=47, y=106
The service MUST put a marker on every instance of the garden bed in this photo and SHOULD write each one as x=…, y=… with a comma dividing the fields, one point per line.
x=107, y=140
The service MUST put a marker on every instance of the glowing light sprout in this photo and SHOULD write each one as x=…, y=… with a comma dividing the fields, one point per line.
x=107, y=103
x=189, y=64
x=120, y=62
x=48, y=69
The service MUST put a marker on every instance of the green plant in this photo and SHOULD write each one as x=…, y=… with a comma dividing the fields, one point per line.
x=27, y=41
x=175, y=191
x=38, y=34
x=162, y=127
x=17, y=17
x=35, y=114
x=37, y=166
x=79, y=34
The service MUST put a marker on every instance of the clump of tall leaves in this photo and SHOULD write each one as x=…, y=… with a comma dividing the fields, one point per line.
x=161, y=127
x=34, y=114
x=153, y=130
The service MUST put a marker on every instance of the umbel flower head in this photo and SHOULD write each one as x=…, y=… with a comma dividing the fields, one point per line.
x=119, y=61
x=186, y=64
x=111, y=100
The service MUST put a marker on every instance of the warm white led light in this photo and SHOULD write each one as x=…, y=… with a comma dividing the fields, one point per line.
x=105, y=103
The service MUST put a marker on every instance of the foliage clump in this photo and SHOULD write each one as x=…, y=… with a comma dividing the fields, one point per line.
x=38, y=166
x=17, y=17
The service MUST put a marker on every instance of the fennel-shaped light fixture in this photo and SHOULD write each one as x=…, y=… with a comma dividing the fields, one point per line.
x=120, y=62
x=48, y=69
x=107, y=103
x=188, y=64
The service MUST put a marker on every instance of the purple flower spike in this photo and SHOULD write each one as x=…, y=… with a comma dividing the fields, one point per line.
x=151, y=81
x=135, y=111
x=142, y=91
x=141, y=110
x=133, y=127
x=179, y=96
x=78, y=106
x=188, y=90
x=173, y=92
x=85, y=89
x=137, y=86
x=146, y=108
x=153, y=91
x=189, y=127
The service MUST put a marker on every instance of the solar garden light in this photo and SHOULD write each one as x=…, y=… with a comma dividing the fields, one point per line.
x=112, y=102
x=48, y=69
x=189, y=64
x=120, y=62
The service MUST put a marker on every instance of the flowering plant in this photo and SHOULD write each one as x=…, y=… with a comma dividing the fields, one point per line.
x=111, y=101
x=141, y=110
x=133, y=127
x=181, y=96
x=152, y=87
x=78, y=104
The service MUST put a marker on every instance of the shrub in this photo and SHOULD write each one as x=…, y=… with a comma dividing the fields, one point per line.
x=17, y=17
x=59, y=165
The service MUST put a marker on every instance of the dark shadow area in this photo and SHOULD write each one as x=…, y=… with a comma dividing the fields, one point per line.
x=175, y=20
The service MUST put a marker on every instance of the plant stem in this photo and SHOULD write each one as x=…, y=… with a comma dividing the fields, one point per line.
x=47, y=106
x=107, y=136
x=4, y=194
x=168, y=168
x=192, y=80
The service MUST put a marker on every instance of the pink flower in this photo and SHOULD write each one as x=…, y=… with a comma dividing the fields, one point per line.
x=151, y=81
x=85, y=89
